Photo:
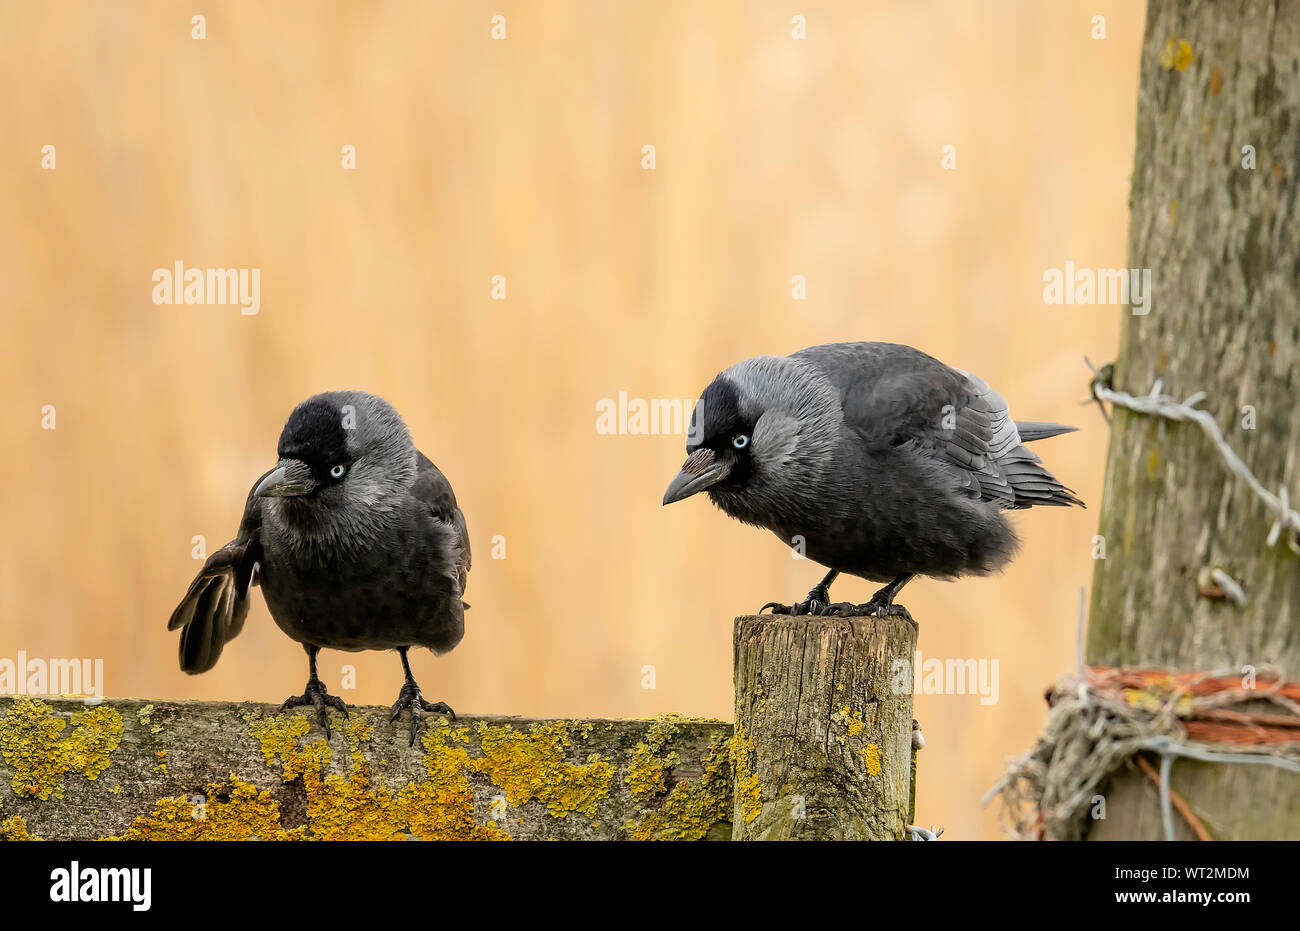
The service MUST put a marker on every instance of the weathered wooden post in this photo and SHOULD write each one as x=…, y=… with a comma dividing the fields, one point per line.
x=822, y=747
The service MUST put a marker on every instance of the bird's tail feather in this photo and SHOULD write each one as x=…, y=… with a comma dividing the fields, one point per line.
x=213, y=610
x=1031, y=430
x=1032, y=484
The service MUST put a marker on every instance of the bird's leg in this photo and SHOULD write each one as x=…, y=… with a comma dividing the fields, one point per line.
x=410, y=697
x=881, y=603
x=315, y=695
x=817, y=602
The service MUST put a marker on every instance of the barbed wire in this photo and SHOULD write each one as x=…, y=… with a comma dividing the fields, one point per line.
x=1169, y=749
x=1156, y=404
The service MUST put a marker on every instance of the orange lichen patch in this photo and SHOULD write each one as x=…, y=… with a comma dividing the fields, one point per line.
x=41, y=759
x=15, y=828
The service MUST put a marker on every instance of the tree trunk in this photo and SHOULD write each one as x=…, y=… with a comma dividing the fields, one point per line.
x=1222, y=241
x=823, y=741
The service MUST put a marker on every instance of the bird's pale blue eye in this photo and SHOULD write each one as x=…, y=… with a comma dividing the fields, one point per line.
x=740, y=441
x=337, y=471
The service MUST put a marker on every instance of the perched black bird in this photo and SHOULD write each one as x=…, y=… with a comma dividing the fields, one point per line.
x=357, y=542
x=875, y=458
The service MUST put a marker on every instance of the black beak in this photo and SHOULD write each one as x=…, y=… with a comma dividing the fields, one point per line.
x=700, y=471
x=292, y=478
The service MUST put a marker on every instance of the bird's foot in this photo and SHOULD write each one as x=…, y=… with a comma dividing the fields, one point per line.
x=817, y=603
x=891, y=610
x=876, y=607
x=846, y=609
x=316, y=696
x=410, y=697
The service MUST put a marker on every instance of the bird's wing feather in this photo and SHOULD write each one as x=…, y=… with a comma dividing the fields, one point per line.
x=895, y=396
x=432, y=489
x=212, y=612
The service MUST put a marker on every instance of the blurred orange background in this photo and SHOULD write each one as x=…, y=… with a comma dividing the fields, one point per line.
x=522, y=157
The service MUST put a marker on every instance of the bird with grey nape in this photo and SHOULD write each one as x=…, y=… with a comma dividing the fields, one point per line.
x=873, y=459
x=357, y=542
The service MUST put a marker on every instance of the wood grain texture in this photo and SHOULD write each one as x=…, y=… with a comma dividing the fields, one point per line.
x=823, y=728
x=233, y=771
x=1223, y=244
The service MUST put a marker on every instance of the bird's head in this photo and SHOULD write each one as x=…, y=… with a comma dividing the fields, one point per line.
x=760, y=429
x=719, y=444
x=342, y=451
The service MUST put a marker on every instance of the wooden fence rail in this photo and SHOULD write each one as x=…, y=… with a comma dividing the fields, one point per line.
x=822, y=750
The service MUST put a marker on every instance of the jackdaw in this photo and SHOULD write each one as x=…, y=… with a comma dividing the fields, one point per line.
x=874, y=459
x=357, y=542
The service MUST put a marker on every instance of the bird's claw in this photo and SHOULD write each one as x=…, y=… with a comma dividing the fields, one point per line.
x=890, y=610
x=816, y=604
x=410, y=697
x=316, y=696
x=845, y=609
x=872, y=608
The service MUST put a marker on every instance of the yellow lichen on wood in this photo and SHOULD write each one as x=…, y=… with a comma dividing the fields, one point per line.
x=41, y=759
x=338, y=807
x=278, y=736
x=15, y=828
x=145, y=717
x=693, y=806
x=648, y=773
x=477, y=780
x=532, y=765
x=1177, y=54
x=442, y=806
x=748, y=791
x=871, y=755
x=850, y=720
x=236, y=810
